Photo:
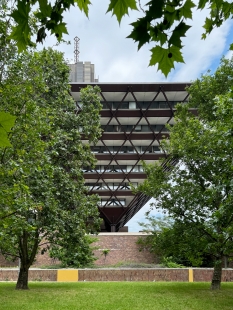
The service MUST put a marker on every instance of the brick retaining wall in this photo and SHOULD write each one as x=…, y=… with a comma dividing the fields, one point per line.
x=127, y=274
x=123, y=248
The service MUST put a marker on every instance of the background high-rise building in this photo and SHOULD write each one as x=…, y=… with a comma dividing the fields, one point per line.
x=82, y=72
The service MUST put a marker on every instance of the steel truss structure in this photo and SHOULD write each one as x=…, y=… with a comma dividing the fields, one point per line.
x=133, y=119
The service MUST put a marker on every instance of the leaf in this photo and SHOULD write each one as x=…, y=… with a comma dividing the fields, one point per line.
x=186, y=9
x=178, y=32
x=177, y=55
x=83, y=5
x=165, y=58
x=45, y=8
x=170, y=9
x=159, y=56
x=17, y=35
x=21, y=32
x=4, y=141
x=7, y=121
x=41, y=34
x=202, y=4
x=21, y=14
x=157, y=35
x=120, y=7
x=208, y=26
x=59, y=30
x=155, y=9
x=170, y=17
x=140, y=32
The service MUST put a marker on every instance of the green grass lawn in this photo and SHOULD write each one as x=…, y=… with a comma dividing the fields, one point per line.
x=116, y=296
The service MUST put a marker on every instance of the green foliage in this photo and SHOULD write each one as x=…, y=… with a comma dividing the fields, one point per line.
x=165, y=58
x=131, y=264
x=75, y=252
x=164, y=241
x=164, y=23
x=169, y=263
x=7, y=121
x=105, y=252
x=44, y=202
x=121, y=7
x=198, y=193
x=49, y=17
x=203, y=91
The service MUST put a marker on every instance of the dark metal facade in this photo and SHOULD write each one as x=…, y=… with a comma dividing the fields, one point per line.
x=133, y=119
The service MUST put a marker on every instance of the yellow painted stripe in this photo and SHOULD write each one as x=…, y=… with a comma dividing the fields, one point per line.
x=190, y=275
x=67, y=275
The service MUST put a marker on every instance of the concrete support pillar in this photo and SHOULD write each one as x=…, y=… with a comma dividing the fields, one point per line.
x=113, y=228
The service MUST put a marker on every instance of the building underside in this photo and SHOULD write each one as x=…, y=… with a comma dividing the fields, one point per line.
x=133, y=119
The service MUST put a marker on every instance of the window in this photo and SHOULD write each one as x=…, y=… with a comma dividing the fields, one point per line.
x=112, y=202
x=124, y=105
x=132, y=105
x=145, y=104
x=96, y=149
x=123, y=149
x=154, y=105
x=164, y=105
x=106, y=105
x=138, y=128
x=130, y=149
x=156, y=149
x=145, y=128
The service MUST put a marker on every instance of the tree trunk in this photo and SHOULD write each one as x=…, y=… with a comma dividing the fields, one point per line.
x=26, y=258
x=217, y=275
x=22, y=283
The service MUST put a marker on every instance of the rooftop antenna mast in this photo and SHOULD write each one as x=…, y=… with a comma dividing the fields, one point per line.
x=76, y=49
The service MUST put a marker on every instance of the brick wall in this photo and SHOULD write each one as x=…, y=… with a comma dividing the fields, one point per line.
x=125, y=274
x=123, y=248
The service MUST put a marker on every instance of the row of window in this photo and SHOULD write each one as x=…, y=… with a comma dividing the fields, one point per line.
x=112, y=203
x=138, y=128
x=125, y=149
x=114, y=168
x=125, y=105
x=112, y=186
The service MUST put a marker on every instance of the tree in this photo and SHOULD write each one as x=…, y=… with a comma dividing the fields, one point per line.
x=199, y=190
x=7, y=120
x=163, y=23
x=164, y=241
x=75, y=252
x=44, y=203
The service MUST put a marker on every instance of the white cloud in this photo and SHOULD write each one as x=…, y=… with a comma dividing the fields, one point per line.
x=116, y=59
x=200, y=54
x=140, y=217
x=229, y=54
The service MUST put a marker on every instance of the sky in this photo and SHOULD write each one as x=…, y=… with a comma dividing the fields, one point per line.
x=117, y=59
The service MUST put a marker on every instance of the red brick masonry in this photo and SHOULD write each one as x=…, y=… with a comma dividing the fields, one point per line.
x=122, y=248
x=160, y=274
